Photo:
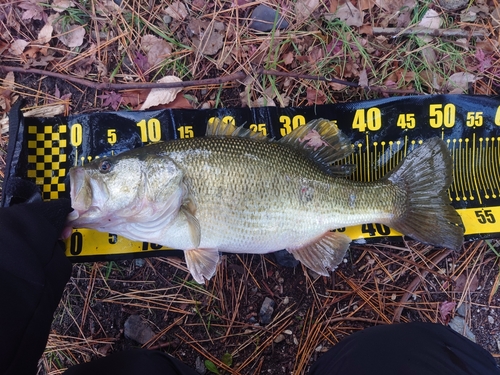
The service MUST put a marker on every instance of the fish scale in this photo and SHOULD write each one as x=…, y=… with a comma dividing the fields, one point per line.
x=235, y=191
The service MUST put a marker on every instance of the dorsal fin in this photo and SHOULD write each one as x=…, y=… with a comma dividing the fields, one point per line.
x=324, y=143
x=217, y=127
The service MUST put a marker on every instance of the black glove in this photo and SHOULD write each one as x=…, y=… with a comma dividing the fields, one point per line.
x=33, y=274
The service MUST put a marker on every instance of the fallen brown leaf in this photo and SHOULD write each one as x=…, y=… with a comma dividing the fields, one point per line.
x=156, y=49
x=162, y=96
x=17, y=47
x=315, y=96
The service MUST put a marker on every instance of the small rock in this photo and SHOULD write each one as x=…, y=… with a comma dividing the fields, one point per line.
x=491, y=320
x=139, y=262
x=263, y=18
x=469, y=14
x=266, y=311
x=167, y=19
x=279, y=338
x=285, y=259
x=199, y=366
x=462, y=309
x=286, y=300
x=138, y=330
x=452, y=5
x=458, y=325
x=287, y=332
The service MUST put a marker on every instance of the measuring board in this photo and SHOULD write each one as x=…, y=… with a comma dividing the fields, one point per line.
x=382, y=133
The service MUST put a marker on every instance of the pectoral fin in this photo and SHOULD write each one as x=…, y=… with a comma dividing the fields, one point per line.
x=325, y=252
x=194, y=227
x=202, y=263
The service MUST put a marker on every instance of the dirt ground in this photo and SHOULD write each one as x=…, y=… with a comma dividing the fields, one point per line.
x=218, y=326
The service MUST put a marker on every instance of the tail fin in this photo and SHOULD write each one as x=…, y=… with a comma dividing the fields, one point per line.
x=426, y=175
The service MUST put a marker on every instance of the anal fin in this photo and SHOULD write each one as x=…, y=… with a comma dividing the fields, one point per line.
x=202, y=263
x=322, y=253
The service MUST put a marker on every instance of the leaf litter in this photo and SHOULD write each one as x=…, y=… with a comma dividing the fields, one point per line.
x=396, y=47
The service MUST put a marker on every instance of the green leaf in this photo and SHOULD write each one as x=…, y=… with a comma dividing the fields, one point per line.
x=227, y=359
x=211, y=367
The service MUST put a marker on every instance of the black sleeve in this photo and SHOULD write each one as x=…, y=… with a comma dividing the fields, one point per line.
x=33, y=274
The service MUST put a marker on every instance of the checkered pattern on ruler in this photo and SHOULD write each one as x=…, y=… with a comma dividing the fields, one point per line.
x=46, y=158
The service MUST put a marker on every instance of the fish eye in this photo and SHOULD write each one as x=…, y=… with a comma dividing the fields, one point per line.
x=105, y=166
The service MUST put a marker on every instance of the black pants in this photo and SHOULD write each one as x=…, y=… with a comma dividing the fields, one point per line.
x=406, y=349
x=34, y=271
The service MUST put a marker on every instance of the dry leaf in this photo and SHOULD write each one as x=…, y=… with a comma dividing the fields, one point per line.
x=363, y=78
x=45, y=34
x=393, y=6
x=288, y=58
x=445, y=311
x=17, y=47
x=366, y=4
x=315, y=96
x=73, y=37
x=162, y=96
x=177, y=10
x=351, y=15
x=431, y=79
x=180, y=101
x=430, y=20
x=133, y=98
x=108, y=7
x=304, y=8
x=263, y=101
x=156, y=49
x=8, y=84
x=207, y=37
x=462, y=282
x=32, y=10
x=61, y=5
x=459, y=82
x=428, y=53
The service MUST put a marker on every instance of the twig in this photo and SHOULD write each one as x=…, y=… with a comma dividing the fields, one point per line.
x=335, y=80
x=201, y=82
x=446, y=33
x=306, y=76
x=126, y=86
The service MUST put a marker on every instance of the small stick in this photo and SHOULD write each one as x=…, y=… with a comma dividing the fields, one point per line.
x=126, y=86
x=306, y=76
x=445, y=33
x=201, y=82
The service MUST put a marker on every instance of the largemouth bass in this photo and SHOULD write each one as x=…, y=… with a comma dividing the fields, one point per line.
x=239, y=192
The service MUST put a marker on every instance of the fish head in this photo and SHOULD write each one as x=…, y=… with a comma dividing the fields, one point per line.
x=128, y=188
